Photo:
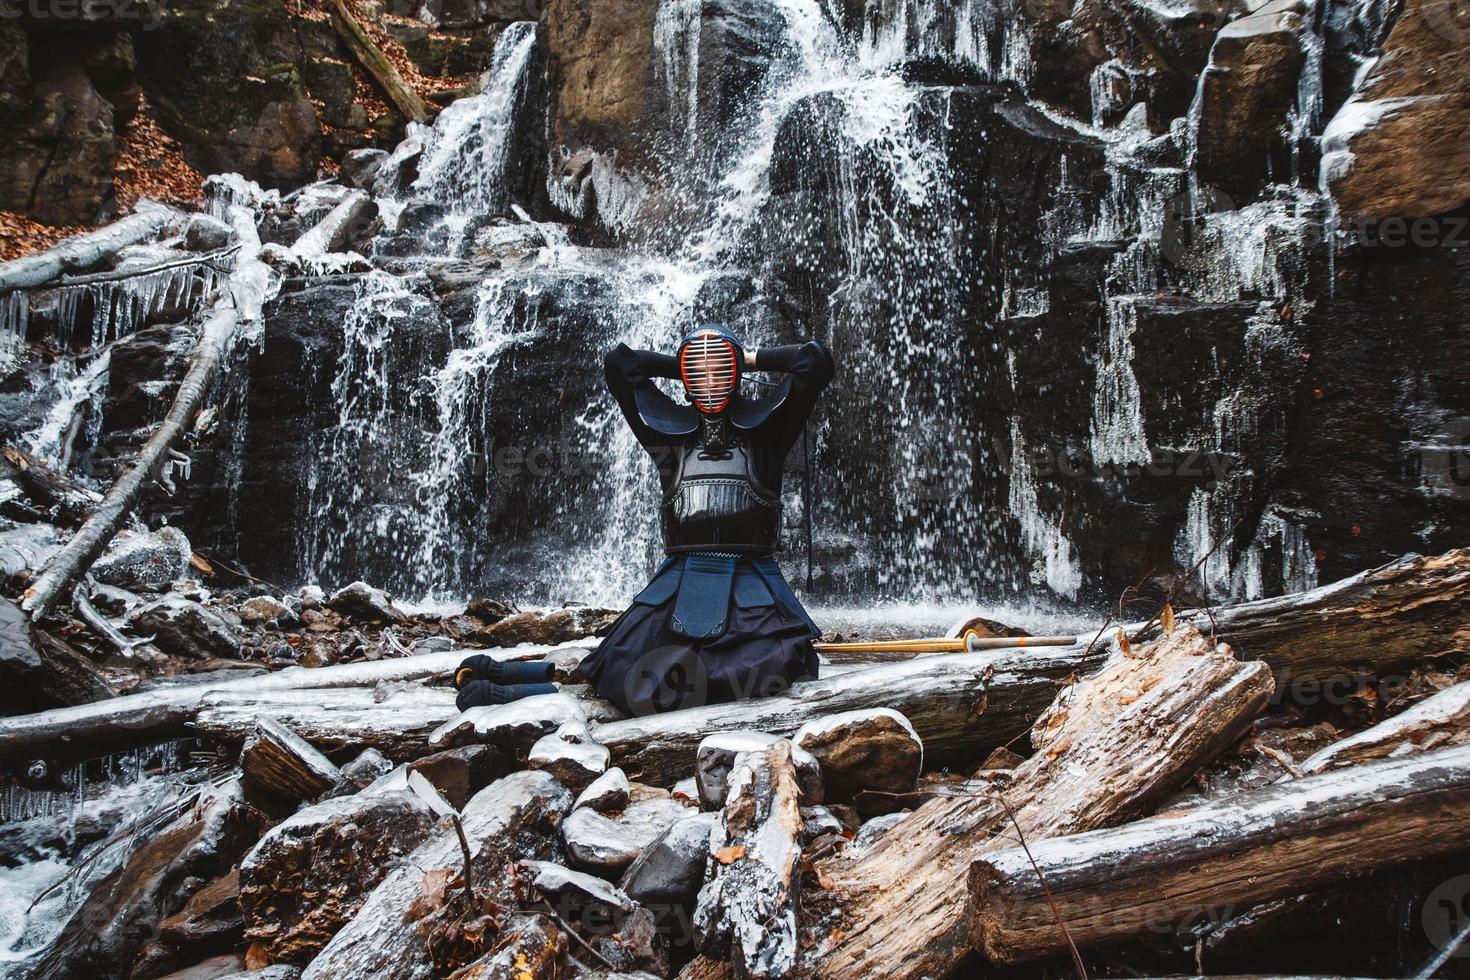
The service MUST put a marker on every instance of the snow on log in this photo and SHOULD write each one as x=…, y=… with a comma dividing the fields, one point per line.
x=1274, y=843
x=239, y=311
x=1437, y=721
x=81, y=252
x=333, y=232
x=747, y=913
x=284, y=764
x=395, y=719
x=1404, y=611
x=165, y=711
x=961, y=705
x=1176, y=704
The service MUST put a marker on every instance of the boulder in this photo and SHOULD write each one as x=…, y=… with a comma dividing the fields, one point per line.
x=458, y=774
x=264, y=610
x=186, y=629
x=56, y=161
x=210, y=921
x=150, y=561
x=577, y=896
x=41, y=670
x=359, y=167
x=1400, y=146
x=1245, y=94
x=670, y=871
x=228, y=83
x=607, y=845
x=571, y=755
x=606, y=793
x=165, y=869
x=715, y=758
x=362, y=601
x=362, y=771
x=512, y=819
x=313, y=872
x=875, y=750
x=203, y=233
x=513, y=727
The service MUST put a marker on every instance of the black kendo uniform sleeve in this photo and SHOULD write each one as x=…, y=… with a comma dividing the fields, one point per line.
x=810, y=367
x=629, y=371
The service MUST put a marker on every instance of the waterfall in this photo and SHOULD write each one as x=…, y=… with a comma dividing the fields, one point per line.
x=465, y=156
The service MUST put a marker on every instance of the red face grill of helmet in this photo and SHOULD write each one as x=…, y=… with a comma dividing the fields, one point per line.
x=707, y=365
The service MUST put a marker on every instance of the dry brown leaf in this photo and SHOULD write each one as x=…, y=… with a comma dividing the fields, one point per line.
x=824, y=881
x=729, y=855
x=256, y=958
x=1167, y=618
x=432, y=888
x=1124, y=645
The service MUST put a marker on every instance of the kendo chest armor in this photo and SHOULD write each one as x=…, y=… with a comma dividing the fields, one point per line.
x=717, y=504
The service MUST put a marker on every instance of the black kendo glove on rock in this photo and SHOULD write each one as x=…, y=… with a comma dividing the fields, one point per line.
x=478, y=693
x=483, y=668
x=484, y=680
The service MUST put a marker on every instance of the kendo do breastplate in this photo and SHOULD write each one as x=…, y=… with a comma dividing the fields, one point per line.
x=717, y=504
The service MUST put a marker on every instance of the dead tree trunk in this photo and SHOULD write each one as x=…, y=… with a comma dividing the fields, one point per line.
x=961, y=705
x=371, y=57
x=248, y=286
x=1404, y=611
x=83, y=251
x=47, y=486
x=1275, y=843
x=1441, y=720
x=1112, y=745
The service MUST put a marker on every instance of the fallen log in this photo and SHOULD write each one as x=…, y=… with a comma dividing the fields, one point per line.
x=284, y=764
x=81, y=252
x=1437, y=721
x=1275, y=843
x=1404, y=611
x=230, y=316
x=397, y=721
x=135, y=719
x=371, y=57
x=1175, y=704
x=333, y=232
x=748, y=912
x=961, y=705
x=49, y=487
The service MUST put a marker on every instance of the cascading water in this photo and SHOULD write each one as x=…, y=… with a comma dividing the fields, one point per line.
x=842, y=182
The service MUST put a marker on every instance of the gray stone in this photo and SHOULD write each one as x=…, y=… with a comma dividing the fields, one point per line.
x=203, y=233
x=865, y=755
x=513, y=727
x=715, y=758
x=359, y=167
x=264, y=610
x=362, y=601
x=606, y=793
x=607, y=845
x=151, y=560
x=186, y=629
x=571, y=755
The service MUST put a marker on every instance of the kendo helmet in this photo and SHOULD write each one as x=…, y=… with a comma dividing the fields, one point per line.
x=710, y=360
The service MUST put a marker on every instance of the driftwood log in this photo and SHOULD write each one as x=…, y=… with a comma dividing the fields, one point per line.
x=372, y=59
x=163, y=712
x=1437, y=721
x=81, y=252
x=748, y=912
x=231, y=314
x=1404, y=611
x=48, y=487
x=1107, y=749
x=284, y=764
x=1275, y=843
x=960, y=704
